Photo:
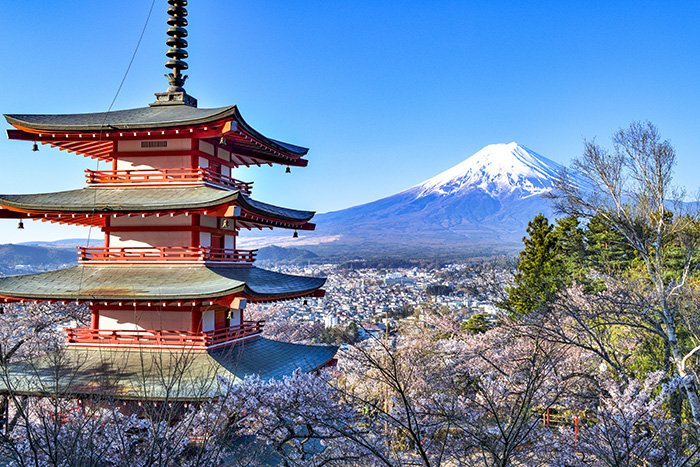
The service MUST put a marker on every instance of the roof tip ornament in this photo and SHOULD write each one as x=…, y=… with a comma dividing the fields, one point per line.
x=177, y=32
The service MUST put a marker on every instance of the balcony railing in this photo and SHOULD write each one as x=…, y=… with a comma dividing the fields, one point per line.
x=162, y=338
x=166, y=254
x=163, y=176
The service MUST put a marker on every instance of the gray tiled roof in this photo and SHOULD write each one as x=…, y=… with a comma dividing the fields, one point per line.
x=143, y=118
x=293, y=215
x=121, y=199
x=155, y=282
x=144, y=199
x=160, y=374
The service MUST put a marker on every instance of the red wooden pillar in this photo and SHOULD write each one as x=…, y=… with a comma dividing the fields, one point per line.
x=576, y=429
x=108, y=223
x=95, y=318
x=194, y=148
x=196, y=240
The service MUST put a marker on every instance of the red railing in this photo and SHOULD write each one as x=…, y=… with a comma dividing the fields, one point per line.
x=169, y=253
x=248, y=328
x=556, y=420
x=163, y=338
x=183, y=175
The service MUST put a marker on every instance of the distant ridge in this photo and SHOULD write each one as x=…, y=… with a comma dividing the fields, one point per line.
x=479, y=207
x=278, y=254
x=26, y=259
x=66, y=243
x=31, y=257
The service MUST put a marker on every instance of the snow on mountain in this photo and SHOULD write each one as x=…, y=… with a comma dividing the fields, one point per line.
x=496, y=169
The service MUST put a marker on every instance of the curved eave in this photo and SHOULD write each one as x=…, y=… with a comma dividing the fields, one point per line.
x=292, y=216
x=127, y=283
x=88, y=203
x=93, y=134
x=143, y=118
x=281, y=146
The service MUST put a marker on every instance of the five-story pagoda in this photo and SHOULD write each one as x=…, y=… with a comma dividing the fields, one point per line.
x=170, y=278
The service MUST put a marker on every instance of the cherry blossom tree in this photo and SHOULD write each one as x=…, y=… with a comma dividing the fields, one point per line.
x=629, y=427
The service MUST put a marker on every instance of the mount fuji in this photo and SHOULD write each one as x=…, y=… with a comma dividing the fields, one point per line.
x=480, y=206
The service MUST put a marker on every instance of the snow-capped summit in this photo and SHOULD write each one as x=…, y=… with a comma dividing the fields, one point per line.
x=497, y=169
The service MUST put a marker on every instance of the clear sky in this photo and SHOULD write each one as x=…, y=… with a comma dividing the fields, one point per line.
x=385, y=93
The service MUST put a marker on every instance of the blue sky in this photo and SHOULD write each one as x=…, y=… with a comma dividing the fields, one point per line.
x=386, y=93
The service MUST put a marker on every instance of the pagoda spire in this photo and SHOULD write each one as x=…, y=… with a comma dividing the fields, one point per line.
x=176, y=53
x=177, y=43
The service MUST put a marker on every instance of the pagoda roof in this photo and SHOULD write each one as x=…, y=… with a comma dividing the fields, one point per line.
x=140, y=374
x=176, y=283
x=145, y=118
x=128, y=119
x=145, y=199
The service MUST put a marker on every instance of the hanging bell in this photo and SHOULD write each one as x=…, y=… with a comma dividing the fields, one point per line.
x=288, y=171
x=296, y=234
x=35, y=147
x=306, y=302
x=222, y=141
x=20, y=226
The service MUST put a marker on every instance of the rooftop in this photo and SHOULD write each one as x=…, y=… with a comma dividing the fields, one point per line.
x=138, y=199
x=156, y=375
x=129, y=119
x=179, y=283
x=87, y=133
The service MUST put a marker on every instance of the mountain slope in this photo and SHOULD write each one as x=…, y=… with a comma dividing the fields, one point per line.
x=479, y=206
x=24, y=259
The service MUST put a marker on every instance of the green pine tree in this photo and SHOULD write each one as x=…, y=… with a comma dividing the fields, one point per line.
x=571, y=248
x=607, y=250
x=540, y=273
x=477, y=323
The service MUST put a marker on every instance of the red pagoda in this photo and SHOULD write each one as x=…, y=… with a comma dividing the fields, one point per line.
x=170, y=279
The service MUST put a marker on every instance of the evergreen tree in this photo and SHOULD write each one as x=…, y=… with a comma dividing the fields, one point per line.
x=477, y=323
x=607, y=250
x=571, y=248
x=540, y=273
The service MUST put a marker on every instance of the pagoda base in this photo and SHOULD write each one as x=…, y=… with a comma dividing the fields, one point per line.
x=158, y=374
x=174, y=98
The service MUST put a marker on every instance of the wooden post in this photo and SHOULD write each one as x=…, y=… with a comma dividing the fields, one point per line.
x=196, y=224
x=95, y=318
x=108, y=223
x=576, y=429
